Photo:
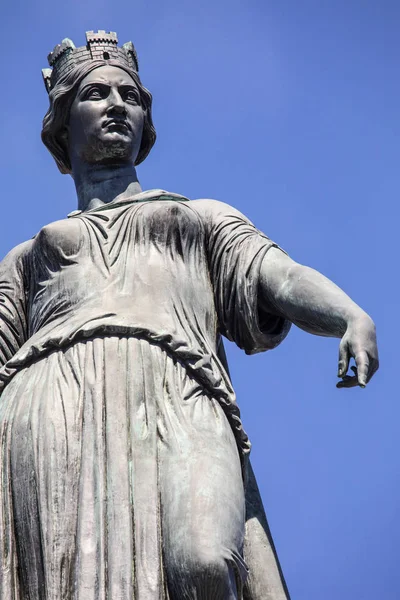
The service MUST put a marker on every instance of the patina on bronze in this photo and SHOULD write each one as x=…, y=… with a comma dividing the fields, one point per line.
x=124, y=463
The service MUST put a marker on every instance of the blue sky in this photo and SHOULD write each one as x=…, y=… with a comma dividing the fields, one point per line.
x=289, y=111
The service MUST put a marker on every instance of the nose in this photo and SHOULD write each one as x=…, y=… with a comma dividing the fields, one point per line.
x=116, y=103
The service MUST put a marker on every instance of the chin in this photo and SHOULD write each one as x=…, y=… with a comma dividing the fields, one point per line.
x=113, y=147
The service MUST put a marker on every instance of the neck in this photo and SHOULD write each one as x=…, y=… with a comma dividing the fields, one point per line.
x=100, y=184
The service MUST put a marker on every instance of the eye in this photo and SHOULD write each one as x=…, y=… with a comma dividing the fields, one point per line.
x=131, y=96
x=94, y=93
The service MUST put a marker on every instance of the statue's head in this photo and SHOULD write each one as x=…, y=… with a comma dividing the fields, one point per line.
x=99, y=109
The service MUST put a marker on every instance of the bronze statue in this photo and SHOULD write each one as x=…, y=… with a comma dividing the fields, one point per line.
x=124, y=463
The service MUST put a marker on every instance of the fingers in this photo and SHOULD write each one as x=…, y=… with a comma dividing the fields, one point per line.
x=368, y=367
x=344, y=358
x=362, y=362
x=349, y=381
x=361, y=345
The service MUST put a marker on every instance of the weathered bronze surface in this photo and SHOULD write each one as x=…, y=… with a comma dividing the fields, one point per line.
x=124, y=463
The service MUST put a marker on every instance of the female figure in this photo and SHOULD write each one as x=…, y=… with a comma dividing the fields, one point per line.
x=123, y=456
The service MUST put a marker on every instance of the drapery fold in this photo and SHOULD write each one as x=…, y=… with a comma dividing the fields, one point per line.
x=110, y=329
x=106, y=444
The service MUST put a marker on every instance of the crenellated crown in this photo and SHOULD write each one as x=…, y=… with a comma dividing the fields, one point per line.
x=100, y=46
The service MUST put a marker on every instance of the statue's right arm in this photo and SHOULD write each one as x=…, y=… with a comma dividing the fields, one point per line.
x=13, y=294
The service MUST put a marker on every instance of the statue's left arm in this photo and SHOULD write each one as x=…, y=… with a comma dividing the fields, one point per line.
x=259, y=291
x=315, y=304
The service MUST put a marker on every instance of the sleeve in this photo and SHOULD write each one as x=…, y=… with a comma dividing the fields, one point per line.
x=236, y=250
x=13, y=291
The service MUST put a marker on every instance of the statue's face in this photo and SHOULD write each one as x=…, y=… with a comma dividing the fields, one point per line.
x=106, y=118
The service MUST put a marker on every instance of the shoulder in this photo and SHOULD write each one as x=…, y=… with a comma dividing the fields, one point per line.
x=63, y=235
x=12, y=265
x=215, y=210
x=19, y=252
x=63, y=225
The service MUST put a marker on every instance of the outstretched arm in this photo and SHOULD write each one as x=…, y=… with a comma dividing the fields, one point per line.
x=317, y=305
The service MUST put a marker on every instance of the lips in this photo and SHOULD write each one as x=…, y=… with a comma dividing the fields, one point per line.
x=117, y=123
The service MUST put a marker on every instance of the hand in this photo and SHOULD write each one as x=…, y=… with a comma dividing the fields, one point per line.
x=358, y=342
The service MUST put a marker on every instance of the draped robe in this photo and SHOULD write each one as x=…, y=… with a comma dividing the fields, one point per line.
x=113, y=378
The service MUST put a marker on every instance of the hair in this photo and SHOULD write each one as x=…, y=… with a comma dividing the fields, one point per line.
x=61, y=98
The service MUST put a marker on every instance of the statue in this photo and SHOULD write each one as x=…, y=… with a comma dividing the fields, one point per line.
x=124, y=463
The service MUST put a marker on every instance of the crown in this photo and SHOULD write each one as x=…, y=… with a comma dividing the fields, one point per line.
x=100, y=46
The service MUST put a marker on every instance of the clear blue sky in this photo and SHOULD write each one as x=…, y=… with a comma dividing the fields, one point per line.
x=289, y=111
